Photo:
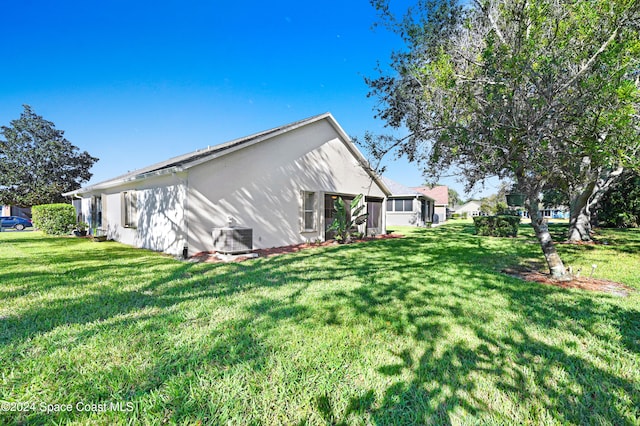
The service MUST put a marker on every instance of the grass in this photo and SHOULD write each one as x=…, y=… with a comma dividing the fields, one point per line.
x=419, y=330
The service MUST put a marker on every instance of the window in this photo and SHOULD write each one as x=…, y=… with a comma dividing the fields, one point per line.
x=308, y=211
x=130, y=209
x=400, y=205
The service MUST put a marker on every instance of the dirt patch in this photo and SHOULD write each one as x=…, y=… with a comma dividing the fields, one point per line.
x=582, y=283
x=585, y=243
x=209, y=256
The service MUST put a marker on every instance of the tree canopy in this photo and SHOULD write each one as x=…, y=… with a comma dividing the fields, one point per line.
x=620, y=207
x=37, y=163
x=527, y=90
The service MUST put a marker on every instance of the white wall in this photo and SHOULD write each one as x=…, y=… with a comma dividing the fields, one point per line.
x=161, y=222
x=472, y=208
x=261, y=186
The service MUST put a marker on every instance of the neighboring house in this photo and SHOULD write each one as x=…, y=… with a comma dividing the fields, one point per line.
x=440, y=195
x=472, y=209
x=23, y=212
x=407, y=207
x=281, y=183
x=550, y=212
x=469, y=209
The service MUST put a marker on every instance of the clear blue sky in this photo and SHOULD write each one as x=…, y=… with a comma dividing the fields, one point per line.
x=137, y=82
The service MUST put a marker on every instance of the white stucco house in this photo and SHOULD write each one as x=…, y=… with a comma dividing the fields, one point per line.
x=407, y=207
x=469, y=209
x=281, y=183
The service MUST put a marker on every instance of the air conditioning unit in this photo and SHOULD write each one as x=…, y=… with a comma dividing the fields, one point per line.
x=232, y=239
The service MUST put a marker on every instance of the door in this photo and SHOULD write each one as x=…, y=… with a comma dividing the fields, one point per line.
x=95, y=212
x=374, y=219
x=330, y=212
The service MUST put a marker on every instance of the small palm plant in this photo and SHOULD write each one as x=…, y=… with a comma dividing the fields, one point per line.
x=347, y=219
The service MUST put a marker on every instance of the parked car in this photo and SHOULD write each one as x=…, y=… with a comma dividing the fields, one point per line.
x=15, y=222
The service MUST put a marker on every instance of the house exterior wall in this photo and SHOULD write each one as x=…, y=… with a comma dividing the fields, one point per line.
x=407, y=218
x=472, y=208
x=439, y=213
x=24, y=212
x=261, y=187
x=160, y=222
x=550, y=213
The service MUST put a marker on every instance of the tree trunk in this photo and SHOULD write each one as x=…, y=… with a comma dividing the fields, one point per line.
x=580, y=214
x=582, y=204
x=556, y=267
x=580, y=225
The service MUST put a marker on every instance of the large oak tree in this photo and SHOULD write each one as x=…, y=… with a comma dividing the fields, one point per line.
x=37, y=163
x=534, y=91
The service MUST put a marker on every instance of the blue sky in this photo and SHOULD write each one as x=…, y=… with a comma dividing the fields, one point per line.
x=137, y=82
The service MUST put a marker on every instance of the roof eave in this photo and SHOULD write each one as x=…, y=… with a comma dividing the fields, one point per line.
x=117, y=182
x=217, y=151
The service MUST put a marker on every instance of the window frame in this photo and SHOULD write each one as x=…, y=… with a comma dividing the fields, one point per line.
x=402, y=203
x=130, y=209
x=309, y=212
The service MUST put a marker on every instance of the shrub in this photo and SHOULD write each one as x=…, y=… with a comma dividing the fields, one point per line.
x=54, y=219
x=497, y=226
x=459, y=215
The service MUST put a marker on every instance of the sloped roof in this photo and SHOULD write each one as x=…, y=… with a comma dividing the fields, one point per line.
x=186, y=161
x=438, y=193
x=399, y=190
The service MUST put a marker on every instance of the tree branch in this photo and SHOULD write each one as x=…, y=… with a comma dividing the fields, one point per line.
x=590, y=62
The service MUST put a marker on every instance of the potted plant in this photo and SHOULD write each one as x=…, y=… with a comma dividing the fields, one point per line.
x=515, y=197
x=80, y=229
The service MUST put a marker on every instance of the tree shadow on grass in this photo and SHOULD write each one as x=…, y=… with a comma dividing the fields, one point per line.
x=436, y=289
x=554, y=381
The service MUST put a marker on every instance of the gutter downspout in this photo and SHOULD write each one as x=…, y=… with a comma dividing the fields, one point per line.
x=185, y=250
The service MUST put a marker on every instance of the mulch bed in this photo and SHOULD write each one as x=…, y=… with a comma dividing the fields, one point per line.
x=209, y=256
x=582, y=283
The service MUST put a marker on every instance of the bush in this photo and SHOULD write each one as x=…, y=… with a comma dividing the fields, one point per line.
x=54, y=219
x=497, y=226
x=459, y=215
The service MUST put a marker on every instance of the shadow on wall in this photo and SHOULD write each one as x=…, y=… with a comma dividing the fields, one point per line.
x=160, y=225
x=270, y=203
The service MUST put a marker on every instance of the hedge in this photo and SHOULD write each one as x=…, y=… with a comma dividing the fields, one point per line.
x=497, y=226
x=54, y=219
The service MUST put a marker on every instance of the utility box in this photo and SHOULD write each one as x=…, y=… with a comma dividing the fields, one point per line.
x=232, y=239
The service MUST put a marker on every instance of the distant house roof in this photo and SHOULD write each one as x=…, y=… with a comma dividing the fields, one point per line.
x=186, y=161
x=438, y=193
x=399, y=190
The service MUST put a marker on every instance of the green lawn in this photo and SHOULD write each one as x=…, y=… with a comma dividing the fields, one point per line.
x=419, y=330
